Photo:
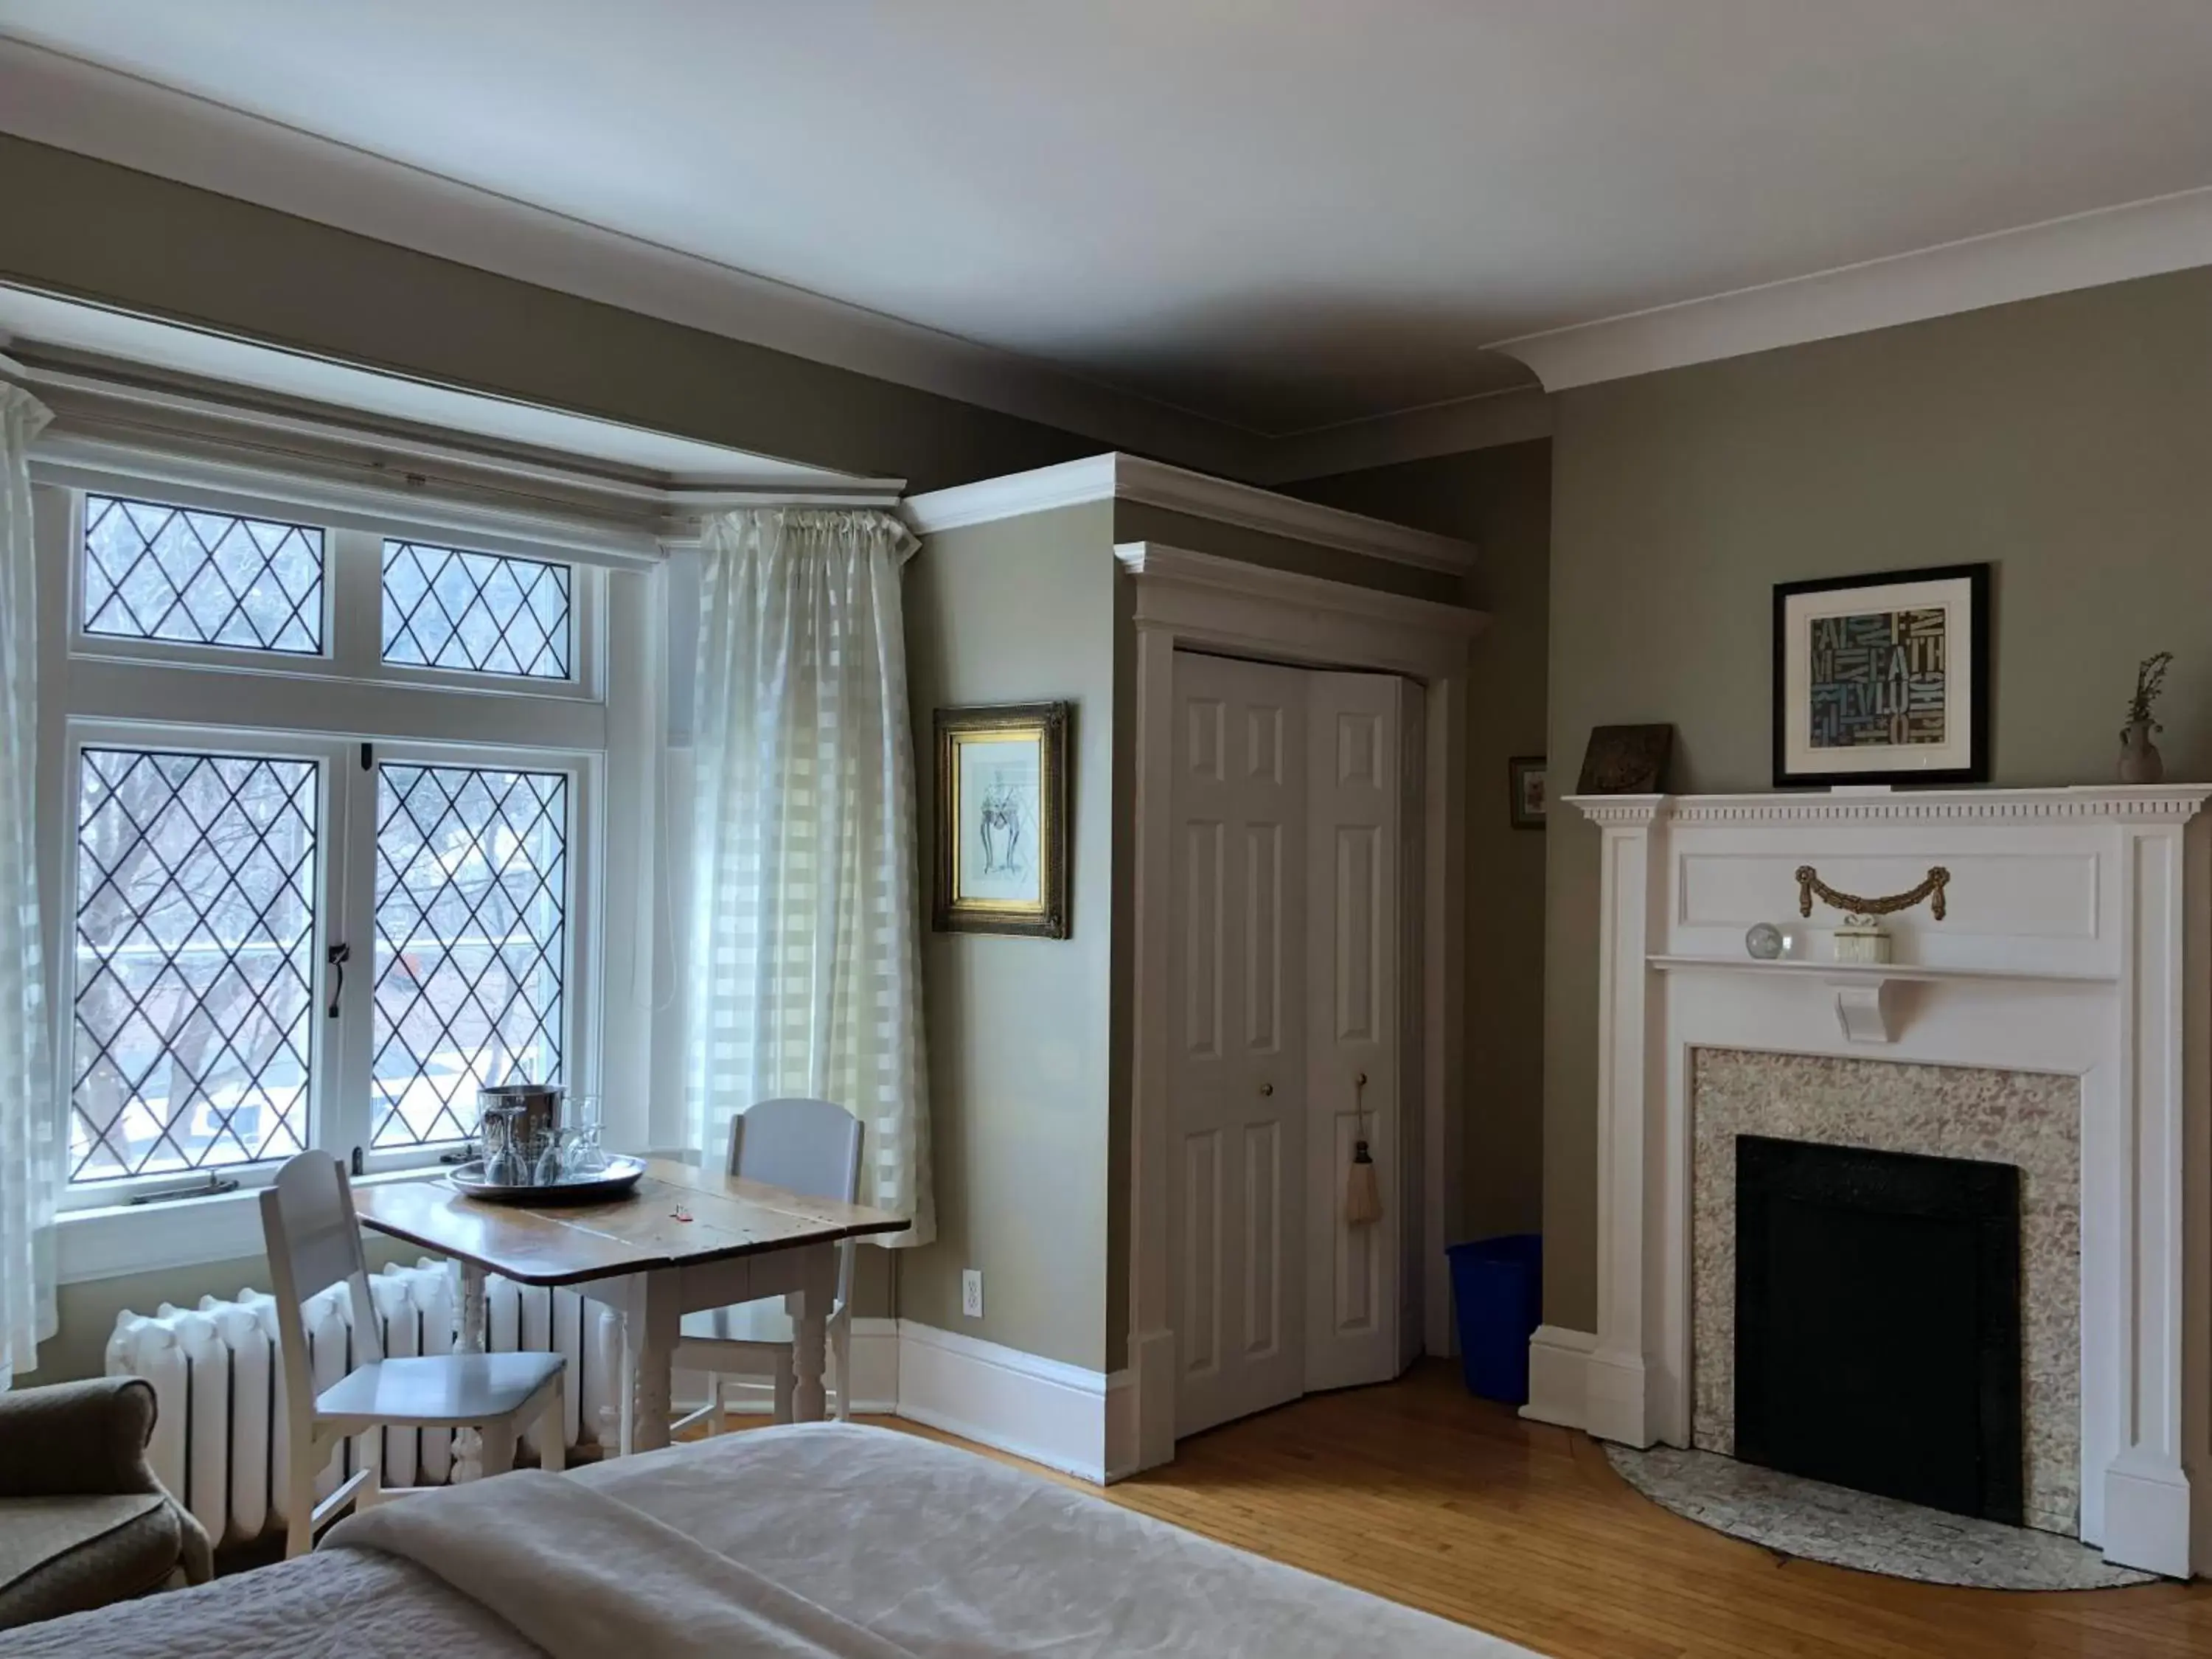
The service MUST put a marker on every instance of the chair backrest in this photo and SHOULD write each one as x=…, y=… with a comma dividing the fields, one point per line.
x=313, y=1241
x=811, y=1147
x=807, y=1146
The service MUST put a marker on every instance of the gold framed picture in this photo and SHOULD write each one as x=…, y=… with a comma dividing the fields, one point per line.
x=1002, y=819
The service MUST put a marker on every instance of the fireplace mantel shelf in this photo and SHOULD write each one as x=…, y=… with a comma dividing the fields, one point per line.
x=1862, y=972
x=1866, y=1010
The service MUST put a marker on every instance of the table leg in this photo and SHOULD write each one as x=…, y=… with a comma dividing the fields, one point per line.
x=810, y=1329
x=651, y=1324
x=616, y=1297
x=472, y=1338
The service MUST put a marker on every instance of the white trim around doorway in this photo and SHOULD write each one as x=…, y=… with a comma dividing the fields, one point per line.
x=1198, y=601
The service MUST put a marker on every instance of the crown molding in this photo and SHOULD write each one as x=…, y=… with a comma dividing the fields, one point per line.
x=50, y=98
x=1178, y=567
x=1173, y=489
x=2086, y=250
x=1512, y=416
x=2167, y=802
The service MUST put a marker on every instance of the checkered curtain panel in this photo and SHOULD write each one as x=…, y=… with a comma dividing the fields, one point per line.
x=30, y=1121
x=805, y=973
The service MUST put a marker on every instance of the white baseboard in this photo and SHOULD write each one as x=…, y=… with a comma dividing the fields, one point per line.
x=1558, y=1376
x=1059, y=1415
x=1041, y=1409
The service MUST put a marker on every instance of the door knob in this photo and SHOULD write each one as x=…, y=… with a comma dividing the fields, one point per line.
x=1267, y=1088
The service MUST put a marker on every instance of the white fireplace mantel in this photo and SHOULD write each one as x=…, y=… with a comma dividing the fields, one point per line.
x=2078, y=941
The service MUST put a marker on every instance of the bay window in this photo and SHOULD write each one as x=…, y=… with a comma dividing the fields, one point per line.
x=333, y=791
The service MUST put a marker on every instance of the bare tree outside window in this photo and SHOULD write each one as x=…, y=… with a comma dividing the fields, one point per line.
x=489, y=613
x=153, y=572
x=195, y=923
x=472, y=912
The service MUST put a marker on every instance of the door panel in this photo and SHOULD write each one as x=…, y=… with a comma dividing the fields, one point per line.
x=1238, y=1082
x=1353, y=960
x=1263, y=1240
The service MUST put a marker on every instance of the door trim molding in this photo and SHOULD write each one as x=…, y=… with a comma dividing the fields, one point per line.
x=1201, y=601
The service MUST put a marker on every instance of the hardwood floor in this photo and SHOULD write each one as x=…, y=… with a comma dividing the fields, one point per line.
x=1417, y=1492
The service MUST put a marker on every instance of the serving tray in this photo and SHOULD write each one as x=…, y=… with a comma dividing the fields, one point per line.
x=620, y=1175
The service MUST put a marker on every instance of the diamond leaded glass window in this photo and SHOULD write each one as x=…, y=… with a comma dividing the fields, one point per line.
x=484, y=612
x=472, y=912
x=195, y=921
x=152, y=572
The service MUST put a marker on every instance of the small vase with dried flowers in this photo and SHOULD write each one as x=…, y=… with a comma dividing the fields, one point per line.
x=2139, y=761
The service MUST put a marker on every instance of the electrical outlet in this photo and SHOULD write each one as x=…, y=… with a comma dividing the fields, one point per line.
x=971, y=1293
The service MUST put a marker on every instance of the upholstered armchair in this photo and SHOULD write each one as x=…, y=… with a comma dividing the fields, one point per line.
x=83, y=1522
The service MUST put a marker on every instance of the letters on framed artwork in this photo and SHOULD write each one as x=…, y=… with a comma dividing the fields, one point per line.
x=1883, y=679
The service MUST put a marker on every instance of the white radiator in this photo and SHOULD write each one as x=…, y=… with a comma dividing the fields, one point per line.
x=219, y=1438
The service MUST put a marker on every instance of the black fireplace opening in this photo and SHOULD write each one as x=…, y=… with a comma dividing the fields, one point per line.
x=1877, y=1323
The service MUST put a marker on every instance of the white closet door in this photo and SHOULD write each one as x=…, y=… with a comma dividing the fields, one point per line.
x=1238, y=1174
x=1354, y=723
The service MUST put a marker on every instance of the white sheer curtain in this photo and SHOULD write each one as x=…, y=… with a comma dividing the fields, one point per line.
x=805, y=974
x=30, y=1121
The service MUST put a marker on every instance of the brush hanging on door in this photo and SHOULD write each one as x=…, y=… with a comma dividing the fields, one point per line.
x=1362, y=1192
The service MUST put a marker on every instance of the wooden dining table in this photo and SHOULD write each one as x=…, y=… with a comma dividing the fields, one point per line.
x=685, y=1239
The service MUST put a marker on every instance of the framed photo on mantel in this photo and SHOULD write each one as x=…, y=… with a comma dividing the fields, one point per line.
x=1001, y=823
x=1883, y=679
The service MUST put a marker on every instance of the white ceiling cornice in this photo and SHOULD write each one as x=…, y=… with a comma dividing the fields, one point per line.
x=1133, y=478
x=2087, y=250
x=1413, y=435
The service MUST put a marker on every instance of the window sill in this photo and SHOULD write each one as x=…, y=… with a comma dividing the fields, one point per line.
x=116, y=1239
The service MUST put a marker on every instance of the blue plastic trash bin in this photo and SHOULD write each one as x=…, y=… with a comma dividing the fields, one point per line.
x=1497, y=1283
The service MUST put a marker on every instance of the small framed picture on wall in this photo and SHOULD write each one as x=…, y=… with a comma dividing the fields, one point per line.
x=1525, y=778
x=1002, y=831
x=1883, y=679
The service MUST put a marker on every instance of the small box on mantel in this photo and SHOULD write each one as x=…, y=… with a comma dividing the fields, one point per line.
x=1863, y=939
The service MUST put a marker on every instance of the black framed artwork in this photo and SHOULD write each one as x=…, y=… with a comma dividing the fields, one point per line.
x=1883, y=679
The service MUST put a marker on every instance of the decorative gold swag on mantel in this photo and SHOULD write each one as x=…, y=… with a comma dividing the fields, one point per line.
x=1853, y=904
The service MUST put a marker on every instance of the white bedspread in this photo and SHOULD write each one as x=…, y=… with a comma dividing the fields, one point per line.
x=815, y=1541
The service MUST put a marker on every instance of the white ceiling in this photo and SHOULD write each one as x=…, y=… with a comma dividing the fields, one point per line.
x=1278, y=214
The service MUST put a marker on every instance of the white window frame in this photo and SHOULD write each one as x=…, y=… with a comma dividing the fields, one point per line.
x=353, y=594
x=102, y=690
x=354, y=1117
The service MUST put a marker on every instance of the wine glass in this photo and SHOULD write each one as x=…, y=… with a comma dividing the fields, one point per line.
x=586, y=1155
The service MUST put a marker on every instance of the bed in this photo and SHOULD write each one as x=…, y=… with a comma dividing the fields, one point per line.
x=811, y=1541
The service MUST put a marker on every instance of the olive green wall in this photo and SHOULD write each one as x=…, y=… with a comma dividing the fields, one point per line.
x=96, y=231
x=1501, y=500
x=1020, y=1053
x=2065, y=440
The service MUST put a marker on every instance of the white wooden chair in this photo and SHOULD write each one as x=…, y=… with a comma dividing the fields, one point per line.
x=315, y=1241
x=811, y=1147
